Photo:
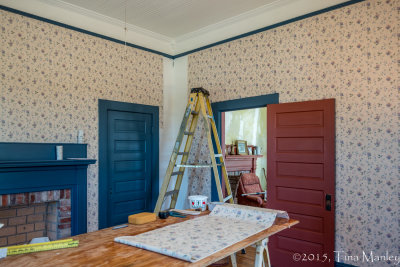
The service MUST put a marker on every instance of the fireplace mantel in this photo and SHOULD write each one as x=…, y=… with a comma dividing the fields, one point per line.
x=241, y=162
x=32, y=167
x=45, y=163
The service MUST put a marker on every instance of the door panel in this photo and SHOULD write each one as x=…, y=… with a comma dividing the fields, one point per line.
x=301, y=162
x=311, y=144
x=130, y=146
x=124, y=186
x=299, y=196
x=300, y=169
x=129, y=164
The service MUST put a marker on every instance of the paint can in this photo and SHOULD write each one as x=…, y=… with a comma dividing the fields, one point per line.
x=198, y=202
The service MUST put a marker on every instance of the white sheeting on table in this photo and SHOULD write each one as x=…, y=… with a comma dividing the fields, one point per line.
x=195, y=239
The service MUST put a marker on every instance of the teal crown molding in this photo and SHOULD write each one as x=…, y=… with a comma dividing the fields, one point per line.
x=190, y=51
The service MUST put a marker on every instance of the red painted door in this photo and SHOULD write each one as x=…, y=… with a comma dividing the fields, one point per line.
x=301, y=180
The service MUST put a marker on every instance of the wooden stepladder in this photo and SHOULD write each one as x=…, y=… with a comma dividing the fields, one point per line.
x=198, y=106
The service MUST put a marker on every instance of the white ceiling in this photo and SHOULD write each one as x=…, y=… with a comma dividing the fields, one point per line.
x=171, y=18
x=170, y=26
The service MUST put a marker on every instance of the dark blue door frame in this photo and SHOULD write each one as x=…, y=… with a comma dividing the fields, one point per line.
x=237, y=104
x=104, y=107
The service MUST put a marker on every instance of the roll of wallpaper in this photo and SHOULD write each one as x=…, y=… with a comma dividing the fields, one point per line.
x=190, y=240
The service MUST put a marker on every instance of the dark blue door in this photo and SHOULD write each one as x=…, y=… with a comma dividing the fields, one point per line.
x=129, y=152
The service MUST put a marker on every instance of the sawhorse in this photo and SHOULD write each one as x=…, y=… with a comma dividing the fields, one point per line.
x=260, y=260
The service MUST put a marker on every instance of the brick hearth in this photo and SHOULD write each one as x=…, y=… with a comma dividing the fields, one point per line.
x=36, y=214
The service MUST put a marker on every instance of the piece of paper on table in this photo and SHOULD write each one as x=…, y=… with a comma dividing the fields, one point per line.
x=195, y=239
x=3, y=252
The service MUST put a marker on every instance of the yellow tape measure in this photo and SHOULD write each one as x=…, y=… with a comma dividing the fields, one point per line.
x=22, y=249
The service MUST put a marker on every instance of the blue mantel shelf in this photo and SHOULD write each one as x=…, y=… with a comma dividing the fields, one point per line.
x=32, y=167
x=45, y=163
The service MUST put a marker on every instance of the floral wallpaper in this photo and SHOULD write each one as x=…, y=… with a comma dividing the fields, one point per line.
x=350, y=54
x=52, y=78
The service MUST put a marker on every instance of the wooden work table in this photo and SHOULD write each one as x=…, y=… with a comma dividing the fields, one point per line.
x=99, y=249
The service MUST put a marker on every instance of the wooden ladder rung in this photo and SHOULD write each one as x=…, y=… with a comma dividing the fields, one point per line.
x=176, y=173
x=169, y=193
x=188, y=133
x=195, y=113
x=183, y=153
x=195, y=165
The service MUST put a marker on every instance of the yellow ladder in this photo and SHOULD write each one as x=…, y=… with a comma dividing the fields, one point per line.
x=198, y=105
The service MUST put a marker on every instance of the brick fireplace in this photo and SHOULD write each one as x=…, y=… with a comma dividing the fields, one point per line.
x=42, y=196
x=35, y=214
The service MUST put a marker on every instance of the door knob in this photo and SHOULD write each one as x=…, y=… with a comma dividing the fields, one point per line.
x=328, y=202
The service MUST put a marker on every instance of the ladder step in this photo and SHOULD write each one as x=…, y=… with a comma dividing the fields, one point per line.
x=188, y=133
x=218, y=155
x=227, y=198
x=183, y=153
x=176, y=173
x=169, y=193
x=195, y=113
x=195, y=165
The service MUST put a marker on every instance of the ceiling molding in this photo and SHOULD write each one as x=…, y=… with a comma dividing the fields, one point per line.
x=262, y=17
x=232, y=20
x=113, y=21
x=275, y=14
x=100, y=24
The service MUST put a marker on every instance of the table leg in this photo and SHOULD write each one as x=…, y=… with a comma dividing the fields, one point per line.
x=260, y=247
x=233, y=260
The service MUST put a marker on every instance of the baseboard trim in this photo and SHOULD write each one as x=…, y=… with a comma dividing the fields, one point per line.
x=341, y=264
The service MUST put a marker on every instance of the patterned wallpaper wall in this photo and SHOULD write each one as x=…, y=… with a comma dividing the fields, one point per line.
x=350, y=54
x=52, y=78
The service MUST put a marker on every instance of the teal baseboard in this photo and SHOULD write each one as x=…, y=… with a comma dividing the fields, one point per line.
x=341, y=264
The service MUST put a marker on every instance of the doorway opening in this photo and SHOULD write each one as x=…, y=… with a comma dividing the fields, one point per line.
x=221, y=108
x=245, y=138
